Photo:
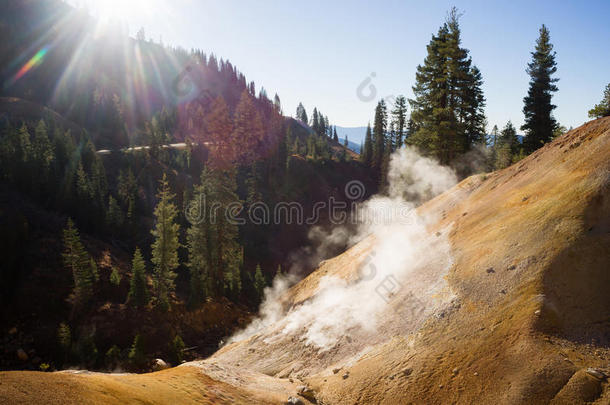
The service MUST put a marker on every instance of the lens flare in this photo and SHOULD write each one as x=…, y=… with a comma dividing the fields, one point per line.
x=30, y=64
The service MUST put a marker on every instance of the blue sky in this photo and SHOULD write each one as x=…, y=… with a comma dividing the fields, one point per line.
x=319, y=52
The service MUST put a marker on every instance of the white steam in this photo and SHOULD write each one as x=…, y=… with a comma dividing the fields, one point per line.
x=401, y=275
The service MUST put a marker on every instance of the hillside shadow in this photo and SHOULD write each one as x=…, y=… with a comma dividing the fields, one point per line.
x=577, y=284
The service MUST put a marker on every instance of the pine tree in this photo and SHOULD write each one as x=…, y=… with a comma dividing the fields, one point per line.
x=259, y=282
x=225, y=149
x=42, y=154
x=214, y=254
x=492, y=144
x=138, y=289
x=603, y=108
x=335, y=136
x=23, y=145
x=115, y=277
x=506, y=146
x=127, y=192
x=302, y=114
x=137, y=355
x=277, y=104
x=114, y=215
x=177, y=350
x=385, y=162
x=411, y=129
x=538, y=109
x=379, y=135
x=83, y=188
x=77, y=260
x=248, y=130
x=22, y=158
x=165, y=247
x=399, y=117
x=346, y=141
x=448, y=106
x=366, y=152
x=391, y=139
x=472, y=114
x=315, y=121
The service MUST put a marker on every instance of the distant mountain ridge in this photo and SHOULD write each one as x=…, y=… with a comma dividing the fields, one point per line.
x=350, y=145
x=354, y=134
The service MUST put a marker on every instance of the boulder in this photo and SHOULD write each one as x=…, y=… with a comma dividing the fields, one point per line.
x=159, y=364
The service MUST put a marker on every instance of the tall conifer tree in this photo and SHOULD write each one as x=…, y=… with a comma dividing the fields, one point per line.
x=165, y=246
x=399, y=117
x=77, y=260
x=366, y=153
x=447, y=111
x=538, y=109
x=379, y=135
x=138, y=290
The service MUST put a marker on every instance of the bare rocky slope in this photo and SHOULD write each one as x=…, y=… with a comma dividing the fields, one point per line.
x=520, y=314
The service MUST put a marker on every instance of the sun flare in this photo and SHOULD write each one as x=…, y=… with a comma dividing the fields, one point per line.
x=118, y=10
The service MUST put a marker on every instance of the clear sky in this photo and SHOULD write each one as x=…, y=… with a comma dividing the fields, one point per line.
x=319, y=52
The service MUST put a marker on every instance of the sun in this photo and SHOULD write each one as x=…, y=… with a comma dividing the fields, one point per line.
x=118, y=10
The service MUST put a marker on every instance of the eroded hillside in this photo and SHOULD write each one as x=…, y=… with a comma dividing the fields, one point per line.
x=518, y=312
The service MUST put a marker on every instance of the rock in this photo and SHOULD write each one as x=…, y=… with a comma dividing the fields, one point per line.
x=537, y=312
x=159, y=364
x=455, y=371
x=22, y=355
x=336, y=370
x=345, y=376
x=294, y=401
x=490, y=270
x=475, y=374
x=595, y=373
x=306, y=393
x=407, y=371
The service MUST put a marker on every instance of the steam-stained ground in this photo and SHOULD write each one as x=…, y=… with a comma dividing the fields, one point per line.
x=515, y=311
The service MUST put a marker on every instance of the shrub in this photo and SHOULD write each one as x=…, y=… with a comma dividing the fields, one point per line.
x=137, y=356
x=177, y=350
